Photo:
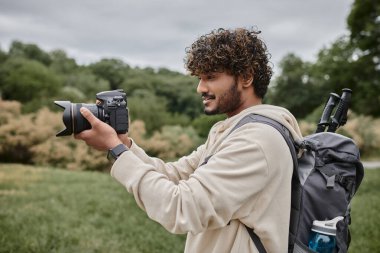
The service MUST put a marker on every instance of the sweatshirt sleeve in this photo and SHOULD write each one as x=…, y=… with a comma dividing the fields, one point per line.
x=210, y=196
x=175, y=171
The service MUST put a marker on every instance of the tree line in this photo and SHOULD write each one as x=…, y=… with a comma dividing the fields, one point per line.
x=165, y=110
x=36, y=78
x=161, y=97
x=351, y=61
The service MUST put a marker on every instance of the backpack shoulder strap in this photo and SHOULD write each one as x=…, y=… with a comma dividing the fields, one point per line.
x=253, y=118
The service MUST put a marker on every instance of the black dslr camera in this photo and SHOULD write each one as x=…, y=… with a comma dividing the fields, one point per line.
x=111, y=109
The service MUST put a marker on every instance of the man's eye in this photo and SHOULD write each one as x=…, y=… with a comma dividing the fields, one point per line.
x=207, y=77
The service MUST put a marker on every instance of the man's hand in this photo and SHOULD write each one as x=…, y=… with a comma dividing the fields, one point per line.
x=101, y=136
x=125, y=139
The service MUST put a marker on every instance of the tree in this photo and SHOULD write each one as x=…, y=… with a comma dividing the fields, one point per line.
x=3, y=56
x=62, y=64
x=87, y=83
x=339, y=67
x=27, y=81
x=29, y=51
x=112, y=70
x=148, y=107
x=364, y=24
x=293, y=88
x=350, y=62
x=180, y=92
x=333, y=68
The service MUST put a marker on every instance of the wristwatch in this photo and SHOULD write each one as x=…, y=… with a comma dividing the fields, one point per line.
x=115, y=152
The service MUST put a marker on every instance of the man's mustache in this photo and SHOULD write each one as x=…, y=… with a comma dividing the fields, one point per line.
x=207, y=96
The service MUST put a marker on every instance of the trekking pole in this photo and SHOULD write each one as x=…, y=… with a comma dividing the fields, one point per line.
x=340, y=116
x=329, y=107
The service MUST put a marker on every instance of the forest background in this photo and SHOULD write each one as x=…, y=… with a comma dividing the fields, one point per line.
x=166, y=112
x=45, y=209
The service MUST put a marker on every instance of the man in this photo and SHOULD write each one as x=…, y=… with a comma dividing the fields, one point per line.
x=236, y=178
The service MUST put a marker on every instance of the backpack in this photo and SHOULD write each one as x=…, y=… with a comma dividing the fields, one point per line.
x=325, y=178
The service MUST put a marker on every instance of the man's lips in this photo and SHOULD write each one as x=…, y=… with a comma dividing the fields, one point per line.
x=207, y=97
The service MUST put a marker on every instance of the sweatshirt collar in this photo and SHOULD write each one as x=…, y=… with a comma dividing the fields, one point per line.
x=227, y=123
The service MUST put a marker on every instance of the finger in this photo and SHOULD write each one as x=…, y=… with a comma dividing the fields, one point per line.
x=81, y=136
x=88, y=115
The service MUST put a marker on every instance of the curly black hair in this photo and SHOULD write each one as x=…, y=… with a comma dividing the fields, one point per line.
x=239, y=52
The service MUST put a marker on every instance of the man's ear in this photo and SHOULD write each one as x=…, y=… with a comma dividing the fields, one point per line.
x=247, y=81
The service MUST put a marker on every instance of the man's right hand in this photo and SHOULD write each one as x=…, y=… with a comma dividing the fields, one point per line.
x=101, y=136
x=123, y=137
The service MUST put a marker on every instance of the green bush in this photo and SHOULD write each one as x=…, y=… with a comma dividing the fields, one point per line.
x=30, y=138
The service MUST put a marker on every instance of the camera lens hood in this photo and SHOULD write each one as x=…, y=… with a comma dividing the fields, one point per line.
x=67, y=117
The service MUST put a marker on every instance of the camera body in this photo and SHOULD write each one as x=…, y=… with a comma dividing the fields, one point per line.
x=115, y=111
x=111, y=108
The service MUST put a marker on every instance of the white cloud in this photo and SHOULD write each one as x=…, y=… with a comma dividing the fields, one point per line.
x=156, y=32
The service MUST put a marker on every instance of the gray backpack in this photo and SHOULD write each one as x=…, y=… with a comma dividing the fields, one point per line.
x=325, y=178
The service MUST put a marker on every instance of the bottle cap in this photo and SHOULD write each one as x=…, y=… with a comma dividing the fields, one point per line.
x=327, y=227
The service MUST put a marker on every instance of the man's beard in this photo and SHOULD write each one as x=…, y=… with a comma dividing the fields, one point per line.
x=228, y=101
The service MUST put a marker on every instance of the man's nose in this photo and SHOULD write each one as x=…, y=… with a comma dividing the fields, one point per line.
x=202, y=87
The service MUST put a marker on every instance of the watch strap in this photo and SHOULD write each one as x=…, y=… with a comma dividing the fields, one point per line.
x=115, y=152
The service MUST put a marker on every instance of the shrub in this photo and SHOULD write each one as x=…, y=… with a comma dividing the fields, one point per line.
x=18, y=133
x=30, y=138
x=70, y=154
x=364, y=130
x=169, y=143
x=8, y=110
x=307, y=127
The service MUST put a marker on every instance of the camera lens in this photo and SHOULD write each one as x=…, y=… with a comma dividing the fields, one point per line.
x=73, y=119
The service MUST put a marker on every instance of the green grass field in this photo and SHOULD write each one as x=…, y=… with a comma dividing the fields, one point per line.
x=51, y=210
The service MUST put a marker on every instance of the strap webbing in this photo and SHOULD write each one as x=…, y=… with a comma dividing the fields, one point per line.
x=253, y=118
x=256, y=240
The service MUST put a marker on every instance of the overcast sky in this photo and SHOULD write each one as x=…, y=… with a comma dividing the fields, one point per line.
x=156, y=32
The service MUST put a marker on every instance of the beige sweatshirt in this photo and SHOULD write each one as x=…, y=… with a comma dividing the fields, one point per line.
x=246, y=180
